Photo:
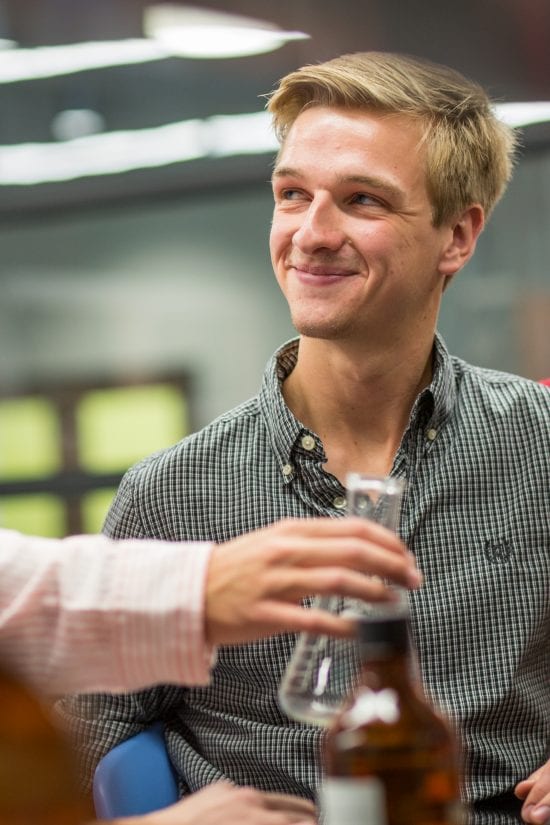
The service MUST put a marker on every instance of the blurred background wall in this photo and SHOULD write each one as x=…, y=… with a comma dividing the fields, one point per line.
x=160, y=278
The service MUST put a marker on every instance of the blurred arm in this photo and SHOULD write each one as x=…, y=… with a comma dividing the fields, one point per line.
x=90, y=614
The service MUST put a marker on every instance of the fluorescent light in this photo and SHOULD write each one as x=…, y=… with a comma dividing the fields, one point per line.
x=51, y=61
x=70, y=124
x=114, y=152
x=175, y=31
x=524, y=114
x=210, y=42
x=203, y=33
x=219, y=136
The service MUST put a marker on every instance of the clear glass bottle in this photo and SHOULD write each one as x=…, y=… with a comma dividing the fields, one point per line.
x=390, y=759
x=322, y=669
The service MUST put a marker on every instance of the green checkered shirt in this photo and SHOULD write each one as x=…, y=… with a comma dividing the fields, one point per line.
x=477, y=460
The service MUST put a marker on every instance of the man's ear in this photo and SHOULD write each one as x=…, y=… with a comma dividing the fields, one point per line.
x=464, y=232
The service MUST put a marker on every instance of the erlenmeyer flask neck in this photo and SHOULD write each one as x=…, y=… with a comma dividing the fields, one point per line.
x=376, y=499
x=384, y=651
x=323, y=671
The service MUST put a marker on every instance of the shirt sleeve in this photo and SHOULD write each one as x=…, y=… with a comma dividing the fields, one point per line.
x=90, y=614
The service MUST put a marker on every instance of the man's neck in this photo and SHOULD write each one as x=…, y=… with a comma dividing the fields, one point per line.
x=358, y=402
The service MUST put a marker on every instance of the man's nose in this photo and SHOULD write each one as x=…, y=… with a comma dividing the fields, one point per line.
x=320, y=228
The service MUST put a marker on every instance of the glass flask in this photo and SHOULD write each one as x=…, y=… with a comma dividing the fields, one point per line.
x=324, y=670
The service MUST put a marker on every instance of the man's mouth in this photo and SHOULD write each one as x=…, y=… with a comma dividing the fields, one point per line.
x=322, y=270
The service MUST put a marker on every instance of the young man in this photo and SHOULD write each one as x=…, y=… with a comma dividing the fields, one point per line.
x=387, y=170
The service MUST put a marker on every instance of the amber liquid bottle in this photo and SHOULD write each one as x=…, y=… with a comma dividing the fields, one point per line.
x=37, y=775
x=390, y=758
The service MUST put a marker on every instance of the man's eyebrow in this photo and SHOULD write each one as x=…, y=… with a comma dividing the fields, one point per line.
x=286, y=172
x=371, y=182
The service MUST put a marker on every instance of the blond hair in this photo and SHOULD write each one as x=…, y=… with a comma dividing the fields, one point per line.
x=469, y=152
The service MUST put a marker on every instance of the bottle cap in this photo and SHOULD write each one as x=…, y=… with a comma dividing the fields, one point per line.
x=389, y=633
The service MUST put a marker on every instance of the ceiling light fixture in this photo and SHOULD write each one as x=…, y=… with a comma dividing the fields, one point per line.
x=51, y=61
x=218, y=136
x=110, y=153
x=524, y=114
x=70, y=124
x=172, y=31
x=194, y=32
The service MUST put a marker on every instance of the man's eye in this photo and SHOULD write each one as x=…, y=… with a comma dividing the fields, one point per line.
x=290, y=194
x=365, y=200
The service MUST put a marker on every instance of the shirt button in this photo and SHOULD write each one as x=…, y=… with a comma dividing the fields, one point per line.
x=339, y=502
x=288, y=469
x=431, y=435
x=308, y=442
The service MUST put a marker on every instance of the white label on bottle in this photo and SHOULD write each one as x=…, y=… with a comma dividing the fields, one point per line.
x=353, y=801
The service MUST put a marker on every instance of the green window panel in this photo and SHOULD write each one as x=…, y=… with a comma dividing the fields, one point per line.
x=38, y=515
x=94, y=507
x=62, y=451
x=30, y=441
x=116, y=427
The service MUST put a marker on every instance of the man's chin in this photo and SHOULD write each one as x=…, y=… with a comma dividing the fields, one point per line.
x=310, y=329
x=322, y=331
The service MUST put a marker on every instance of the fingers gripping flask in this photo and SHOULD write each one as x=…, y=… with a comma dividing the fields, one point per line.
x=323, y=670
x=390, y=759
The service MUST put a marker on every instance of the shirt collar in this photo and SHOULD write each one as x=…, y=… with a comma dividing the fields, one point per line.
x=433, y=405
x=441, y=394
x=283, y=428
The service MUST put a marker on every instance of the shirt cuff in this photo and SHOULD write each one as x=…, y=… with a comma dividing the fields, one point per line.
x=159, y=593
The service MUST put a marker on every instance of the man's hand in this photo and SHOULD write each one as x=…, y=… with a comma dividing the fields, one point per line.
x=255, y=583
x=535, y=791
x=225, y=804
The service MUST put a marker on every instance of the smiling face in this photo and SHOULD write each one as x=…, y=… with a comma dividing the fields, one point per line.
x=352, y=243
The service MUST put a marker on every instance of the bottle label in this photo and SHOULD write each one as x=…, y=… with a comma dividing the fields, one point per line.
x=353, y=801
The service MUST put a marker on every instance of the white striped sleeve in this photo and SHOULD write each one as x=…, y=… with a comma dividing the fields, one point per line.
x=91, y=614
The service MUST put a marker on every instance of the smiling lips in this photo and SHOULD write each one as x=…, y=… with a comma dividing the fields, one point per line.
x=312, y=272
